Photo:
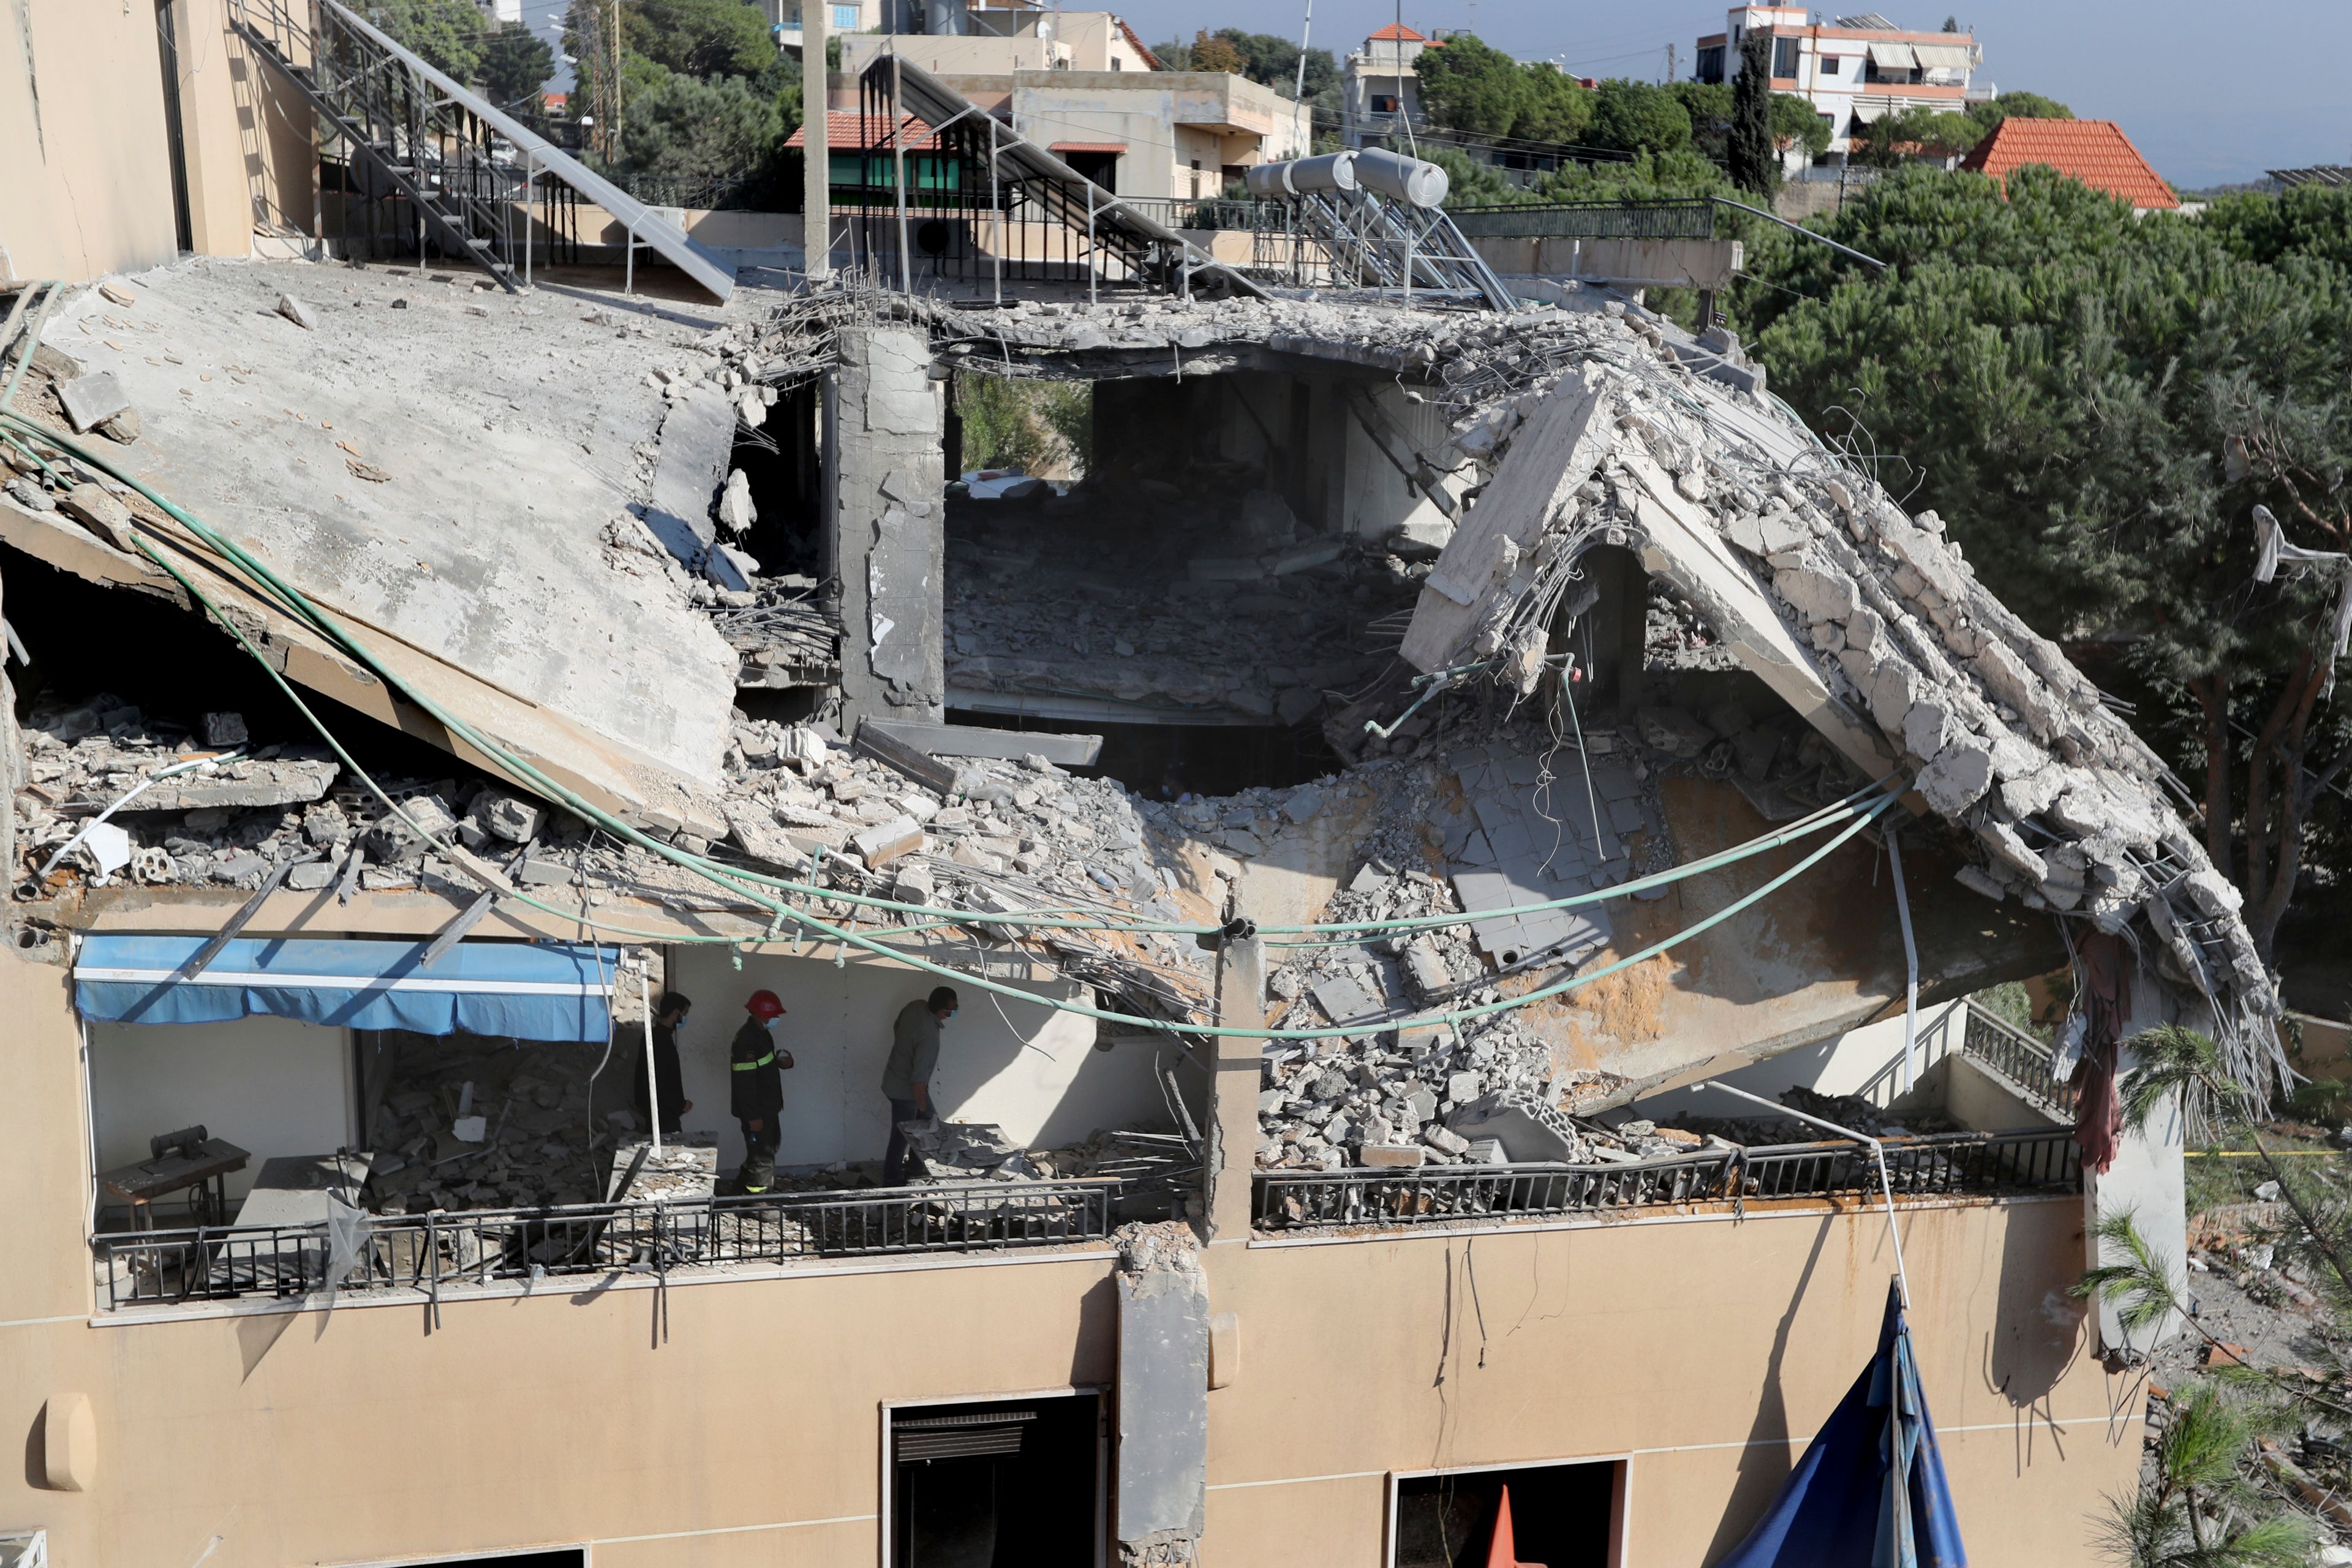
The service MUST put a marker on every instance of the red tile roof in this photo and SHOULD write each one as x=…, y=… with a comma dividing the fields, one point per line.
x=1116, y=147
x=1397, y=32
x=1151, y=60
x=847, y=129
x=2095, y=151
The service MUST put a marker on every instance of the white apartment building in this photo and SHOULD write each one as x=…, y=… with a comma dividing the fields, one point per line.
x=1853, y=68
x=1000, y=40
x=1380, y=88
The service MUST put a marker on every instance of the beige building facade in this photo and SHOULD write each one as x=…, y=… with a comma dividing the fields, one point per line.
x=137, y=134
x=745, y=1416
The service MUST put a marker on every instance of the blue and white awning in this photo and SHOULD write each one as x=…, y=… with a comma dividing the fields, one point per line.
x=529, y=990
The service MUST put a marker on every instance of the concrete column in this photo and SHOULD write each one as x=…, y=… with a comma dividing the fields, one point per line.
x=885, y=506
x=1233, y=1089
x=1620, y=626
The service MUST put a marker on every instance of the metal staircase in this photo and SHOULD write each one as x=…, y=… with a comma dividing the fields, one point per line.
x=470, y=174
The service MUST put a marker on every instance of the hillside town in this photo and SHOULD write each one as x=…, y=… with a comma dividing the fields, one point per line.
x=880, y=782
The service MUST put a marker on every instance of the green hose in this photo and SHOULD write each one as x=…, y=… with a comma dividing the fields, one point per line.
x=749, y=885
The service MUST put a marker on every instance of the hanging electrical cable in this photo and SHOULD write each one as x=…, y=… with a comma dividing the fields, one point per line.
x=755, y=889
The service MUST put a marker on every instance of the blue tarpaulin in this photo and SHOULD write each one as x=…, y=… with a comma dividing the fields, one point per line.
x=1869, y=1491
x=529, y=990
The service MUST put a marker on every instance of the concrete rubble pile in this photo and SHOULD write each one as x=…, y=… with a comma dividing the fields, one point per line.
x=465, y=1123
x=1762, y=1128
x=1004, y=838
x=247, y=810
x=1236, y=614
x=786, y=636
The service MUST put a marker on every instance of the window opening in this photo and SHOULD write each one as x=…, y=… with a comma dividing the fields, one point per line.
x=1562, y=1515
x=996, y=1484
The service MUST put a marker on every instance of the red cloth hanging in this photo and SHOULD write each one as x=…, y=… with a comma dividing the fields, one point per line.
x=2107, y=1004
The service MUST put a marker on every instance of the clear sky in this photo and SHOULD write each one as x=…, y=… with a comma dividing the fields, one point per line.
x=2212, y=94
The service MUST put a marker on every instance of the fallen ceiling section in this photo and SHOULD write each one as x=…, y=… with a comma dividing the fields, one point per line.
x=440, y=467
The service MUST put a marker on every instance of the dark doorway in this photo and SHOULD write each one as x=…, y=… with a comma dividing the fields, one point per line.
x=1562, y=1515
x=782, y=466
x=1012, y=1483
x=167, y=47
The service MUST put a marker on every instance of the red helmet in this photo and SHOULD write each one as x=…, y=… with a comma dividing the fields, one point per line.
x=763, y=1005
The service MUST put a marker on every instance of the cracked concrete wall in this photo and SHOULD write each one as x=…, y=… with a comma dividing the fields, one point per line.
x=886, y=504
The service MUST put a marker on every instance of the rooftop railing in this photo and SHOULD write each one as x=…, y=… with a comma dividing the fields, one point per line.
x=2018, y=1057
x=1945, y=1164
x=432, y=1252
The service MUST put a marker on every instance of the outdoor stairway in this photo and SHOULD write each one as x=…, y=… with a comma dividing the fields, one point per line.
x=469, y=172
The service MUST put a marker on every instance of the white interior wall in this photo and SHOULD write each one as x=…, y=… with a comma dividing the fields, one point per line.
x=1025, y=1065
x=1377, y=500
x=268, y=1085
x=2149, y=1180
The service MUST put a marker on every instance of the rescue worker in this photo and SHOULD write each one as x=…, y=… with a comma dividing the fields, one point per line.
x=668, y=1016
x=755, y=1066
x=907, y=1075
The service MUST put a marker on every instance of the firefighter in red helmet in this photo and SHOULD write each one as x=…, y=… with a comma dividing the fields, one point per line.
x=756, y=1065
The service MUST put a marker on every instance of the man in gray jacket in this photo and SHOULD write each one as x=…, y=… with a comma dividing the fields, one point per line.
x=906, y=1078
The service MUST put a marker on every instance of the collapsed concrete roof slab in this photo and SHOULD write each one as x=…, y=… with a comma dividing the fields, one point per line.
x=436, y=463
x=606, y=773
x=1866, y=621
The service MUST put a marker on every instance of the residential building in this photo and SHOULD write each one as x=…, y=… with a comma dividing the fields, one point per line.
x=998, y=42
x=1379, y=88
x=2095, y=151
x=1332, y=1126
x=1168, y=134
x=1851, y=70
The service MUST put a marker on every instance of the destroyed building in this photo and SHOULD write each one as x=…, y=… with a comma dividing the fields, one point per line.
x=1454, y=721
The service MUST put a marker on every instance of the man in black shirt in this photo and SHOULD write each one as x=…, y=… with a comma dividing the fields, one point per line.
x=670, y=1085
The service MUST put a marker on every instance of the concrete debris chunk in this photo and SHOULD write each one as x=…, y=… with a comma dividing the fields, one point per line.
x=91, y=400
x=736, y=512
x=225, y=729
x=1818, y=595
x=1674, y=732
x=886, y=841
x=1425, y=971
x=1528, y=1130
x=508, y=816
x=296, y=311
x=28, y=494
x=108, y=517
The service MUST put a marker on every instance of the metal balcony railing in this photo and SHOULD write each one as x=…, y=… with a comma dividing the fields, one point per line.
x=2019, y=1058
x=431, y=1252
x=1946, y=1165
x=1691, y=219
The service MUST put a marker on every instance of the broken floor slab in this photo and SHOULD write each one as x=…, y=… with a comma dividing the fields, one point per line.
x=508, y=432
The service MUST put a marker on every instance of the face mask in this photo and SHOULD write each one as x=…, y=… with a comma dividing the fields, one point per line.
x=769, y=1024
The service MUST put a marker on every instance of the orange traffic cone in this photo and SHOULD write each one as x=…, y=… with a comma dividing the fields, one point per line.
x=1503, y=1547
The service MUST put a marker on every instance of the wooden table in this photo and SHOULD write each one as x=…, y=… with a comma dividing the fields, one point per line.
x=208, y=1163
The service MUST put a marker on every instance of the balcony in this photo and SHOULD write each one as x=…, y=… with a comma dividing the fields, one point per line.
x=433, y=1255
x=2033, y=1163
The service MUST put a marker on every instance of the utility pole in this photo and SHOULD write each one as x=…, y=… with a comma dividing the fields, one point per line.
x=612, y=128
x=817, y=174
x=1670, y=65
